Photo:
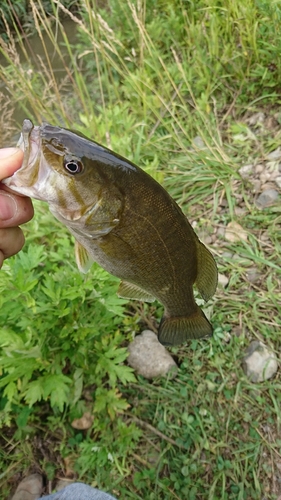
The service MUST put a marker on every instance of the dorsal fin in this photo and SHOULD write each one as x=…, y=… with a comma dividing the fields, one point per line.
x=207, y=273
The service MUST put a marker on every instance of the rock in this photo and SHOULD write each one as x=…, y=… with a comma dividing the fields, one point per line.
x=83, y=422
x=259, y=169
x=274, y=155
x=267, y=198
x=278, y=181
x=253, y=275
x=259, y=363
x=30, y=488
x=220, y=232
x=150, y=358
x=208, y=240
x=246, y=171
x=256, y=118
x=198, y=142
x=256, y=183
x=268, y=185
x=234, y=232
x=227, y=255
x=265, y=176
x=222, y=280
x=62, y=483
x=240, y=211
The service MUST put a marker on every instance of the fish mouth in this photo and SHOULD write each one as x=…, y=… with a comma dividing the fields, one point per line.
x=24, y=179
x=30, y=143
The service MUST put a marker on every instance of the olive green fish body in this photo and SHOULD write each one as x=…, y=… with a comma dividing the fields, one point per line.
x=126, y=222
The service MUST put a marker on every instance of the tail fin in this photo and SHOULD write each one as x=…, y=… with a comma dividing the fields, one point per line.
x=174, y=331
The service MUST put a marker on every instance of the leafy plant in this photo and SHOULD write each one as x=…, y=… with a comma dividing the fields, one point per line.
x=58, y=327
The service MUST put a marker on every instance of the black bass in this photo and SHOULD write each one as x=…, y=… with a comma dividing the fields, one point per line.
x=122, y=219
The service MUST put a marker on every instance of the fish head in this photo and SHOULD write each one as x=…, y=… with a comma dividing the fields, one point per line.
x=63, y=168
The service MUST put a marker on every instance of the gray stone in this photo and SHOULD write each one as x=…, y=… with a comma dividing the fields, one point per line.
x=256, y=118
x=259, y=363
x=246, y=171
x=220, y=232
x=259, y=169
x=30, y=488
x=148, y=357
x=253, y=275
x=267, y=198
x=62, y=483
x=222, y=280
x=274, y=155
x=278, y=181
x=198, y=142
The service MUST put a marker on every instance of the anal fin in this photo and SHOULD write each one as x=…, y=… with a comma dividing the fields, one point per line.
x=128, y=290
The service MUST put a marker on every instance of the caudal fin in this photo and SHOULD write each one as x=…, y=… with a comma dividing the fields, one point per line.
x=174, y=331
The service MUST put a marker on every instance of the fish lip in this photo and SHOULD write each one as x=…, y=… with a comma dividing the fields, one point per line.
x=30, y=143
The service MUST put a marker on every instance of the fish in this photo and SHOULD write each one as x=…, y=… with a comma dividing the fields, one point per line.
x=124, y=220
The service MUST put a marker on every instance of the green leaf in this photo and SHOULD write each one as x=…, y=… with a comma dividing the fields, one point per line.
x=34, y=392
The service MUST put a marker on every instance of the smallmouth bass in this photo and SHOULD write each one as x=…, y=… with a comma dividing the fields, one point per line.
x=122, y=219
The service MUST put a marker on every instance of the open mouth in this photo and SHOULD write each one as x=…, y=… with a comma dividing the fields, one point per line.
x=30, y=143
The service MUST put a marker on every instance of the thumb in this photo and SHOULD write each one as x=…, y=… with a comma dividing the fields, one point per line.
x=10, y=161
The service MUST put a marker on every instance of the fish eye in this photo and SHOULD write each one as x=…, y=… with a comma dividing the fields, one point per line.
x=73, y=166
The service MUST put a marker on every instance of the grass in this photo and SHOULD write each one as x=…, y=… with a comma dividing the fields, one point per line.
x=148, y=86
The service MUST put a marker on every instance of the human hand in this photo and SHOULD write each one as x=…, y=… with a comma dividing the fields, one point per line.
x=14, y=209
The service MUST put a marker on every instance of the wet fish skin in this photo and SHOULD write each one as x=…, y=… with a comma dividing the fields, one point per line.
x=122, y=219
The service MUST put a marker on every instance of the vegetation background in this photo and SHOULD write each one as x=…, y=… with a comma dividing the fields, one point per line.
x=190, y=91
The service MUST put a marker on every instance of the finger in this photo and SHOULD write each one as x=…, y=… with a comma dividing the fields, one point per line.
x=11, y=242
x=10, y=161
x=14, y=210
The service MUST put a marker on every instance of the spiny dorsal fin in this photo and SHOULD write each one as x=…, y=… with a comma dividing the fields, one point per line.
x=207, y=273
x=127, y=290
x=83, y=259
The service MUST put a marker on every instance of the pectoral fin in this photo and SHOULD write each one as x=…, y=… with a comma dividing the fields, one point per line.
x=207, y=273
x=129, y=291
x=83, y=259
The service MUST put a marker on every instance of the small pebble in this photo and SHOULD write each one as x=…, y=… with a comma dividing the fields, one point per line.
x=208, y=240
x=239, y=211
x=223, y=280
x=268, y=185
x=198, y=142
x=278, y=181
x=274, y=155
x=62, y=483
x=220, y=232
x=150, y=358
x=234, y=232
x=227, y=255
x=84, y=422
x=256, y=183
x=256, y=118
x=265, y=176
x=259, y=169
x=253, y=275
x=246, y=171
x=267, y=198
x=259, y=363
